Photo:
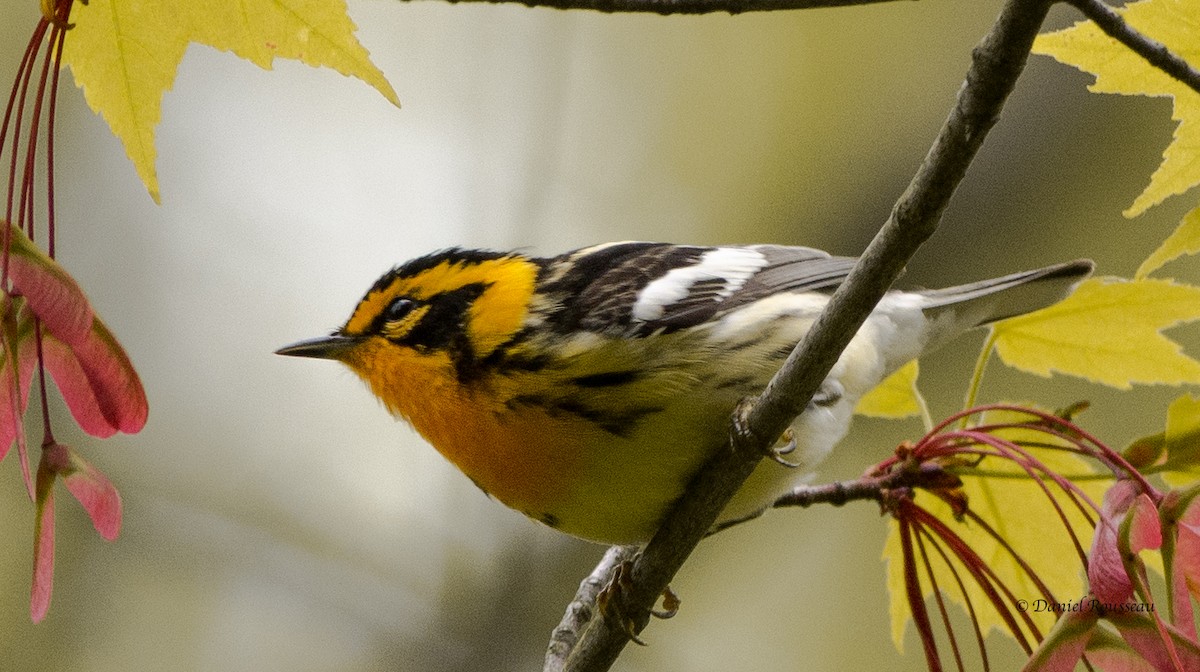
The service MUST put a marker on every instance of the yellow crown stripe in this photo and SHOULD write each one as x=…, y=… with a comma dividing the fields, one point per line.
x=493, y=317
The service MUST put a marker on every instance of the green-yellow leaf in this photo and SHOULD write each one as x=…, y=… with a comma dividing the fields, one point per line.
x=1182, y=466
x=896, y=397
x=1107, y=331
x=316, y=32
x=124, y=53
x=1184, y=240
x=123, y=56
x=898, y=609
x=1175, y=23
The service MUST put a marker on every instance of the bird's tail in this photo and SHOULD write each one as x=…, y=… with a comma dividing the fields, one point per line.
x=980, y=303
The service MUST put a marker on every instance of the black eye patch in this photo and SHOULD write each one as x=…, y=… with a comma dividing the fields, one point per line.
x=446, y=320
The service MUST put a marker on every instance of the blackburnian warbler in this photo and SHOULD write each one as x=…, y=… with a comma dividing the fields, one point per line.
x=586, y=389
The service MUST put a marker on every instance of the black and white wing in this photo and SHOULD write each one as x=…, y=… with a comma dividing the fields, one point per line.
x=642, y=288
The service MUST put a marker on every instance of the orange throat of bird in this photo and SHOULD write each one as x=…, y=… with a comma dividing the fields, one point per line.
x=520, y=456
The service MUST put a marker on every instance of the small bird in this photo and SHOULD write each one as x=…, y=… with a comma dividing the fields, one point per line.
x=585, y=390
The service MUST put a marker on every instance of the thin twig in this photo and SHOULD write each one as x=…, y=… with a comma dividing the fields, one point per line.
x=996, y=64
x=1156, y=53
x=685, y=6
x=804, y=496
x=841, y=492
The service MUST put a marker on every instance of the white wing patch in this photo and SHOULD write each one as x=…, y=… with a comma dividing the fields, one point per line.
x=733, y=265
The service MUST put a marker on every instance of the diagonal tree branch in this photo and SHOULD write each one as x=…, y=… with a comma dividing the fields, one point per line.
x=581, y=609
x=996, y=64
x=1156, y=53
x=685, y=6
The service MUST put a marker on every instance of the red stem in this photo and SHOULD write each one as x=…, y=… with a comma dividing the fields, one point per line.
x=962, y=590
x=912, y=588
x=58, y=39
x=1028, y=462
x=1025, y=566
x=1054, y=420
x=984, y=577
x=1072, y=491
x=937, y=596
x=47, y=434
x=25, y=209
x=20, y=90
x=17, y=99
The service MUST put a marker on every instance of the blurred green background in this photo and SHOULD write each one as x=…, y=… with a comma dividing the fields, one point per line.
x=276, y=518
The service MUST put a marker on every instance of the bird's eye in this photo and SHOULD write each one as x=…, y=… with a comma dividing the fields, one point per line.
x=398, y=309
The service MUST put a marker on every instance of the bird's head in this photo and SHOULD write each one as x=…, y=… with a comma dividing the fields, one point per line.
x=442, y=315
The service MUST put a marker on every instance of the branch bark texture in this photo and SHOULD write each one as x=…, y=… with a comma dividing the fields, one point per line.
x=685, y=6
x=996, y=64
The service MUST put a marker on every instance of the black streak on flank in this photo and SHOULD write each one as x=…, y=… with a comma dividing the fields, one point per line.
x=740, y=382
x=620, y=424
x=783, y=351
x=535, y=400
x=589, y=414
x=507, y=357
x=606, y=379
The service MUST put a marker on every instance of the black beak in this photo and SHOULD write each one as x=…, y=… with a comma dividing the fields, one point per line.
x=323, y=347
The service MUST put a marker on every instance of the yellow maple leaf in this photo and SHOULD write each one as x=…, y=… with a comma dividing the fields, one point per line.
x=1175, y=23
x=896, y=397
x=1182, y=442
x=124, y=53
x=1108, y=331
x=1017, y=508
x=1185, y=239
